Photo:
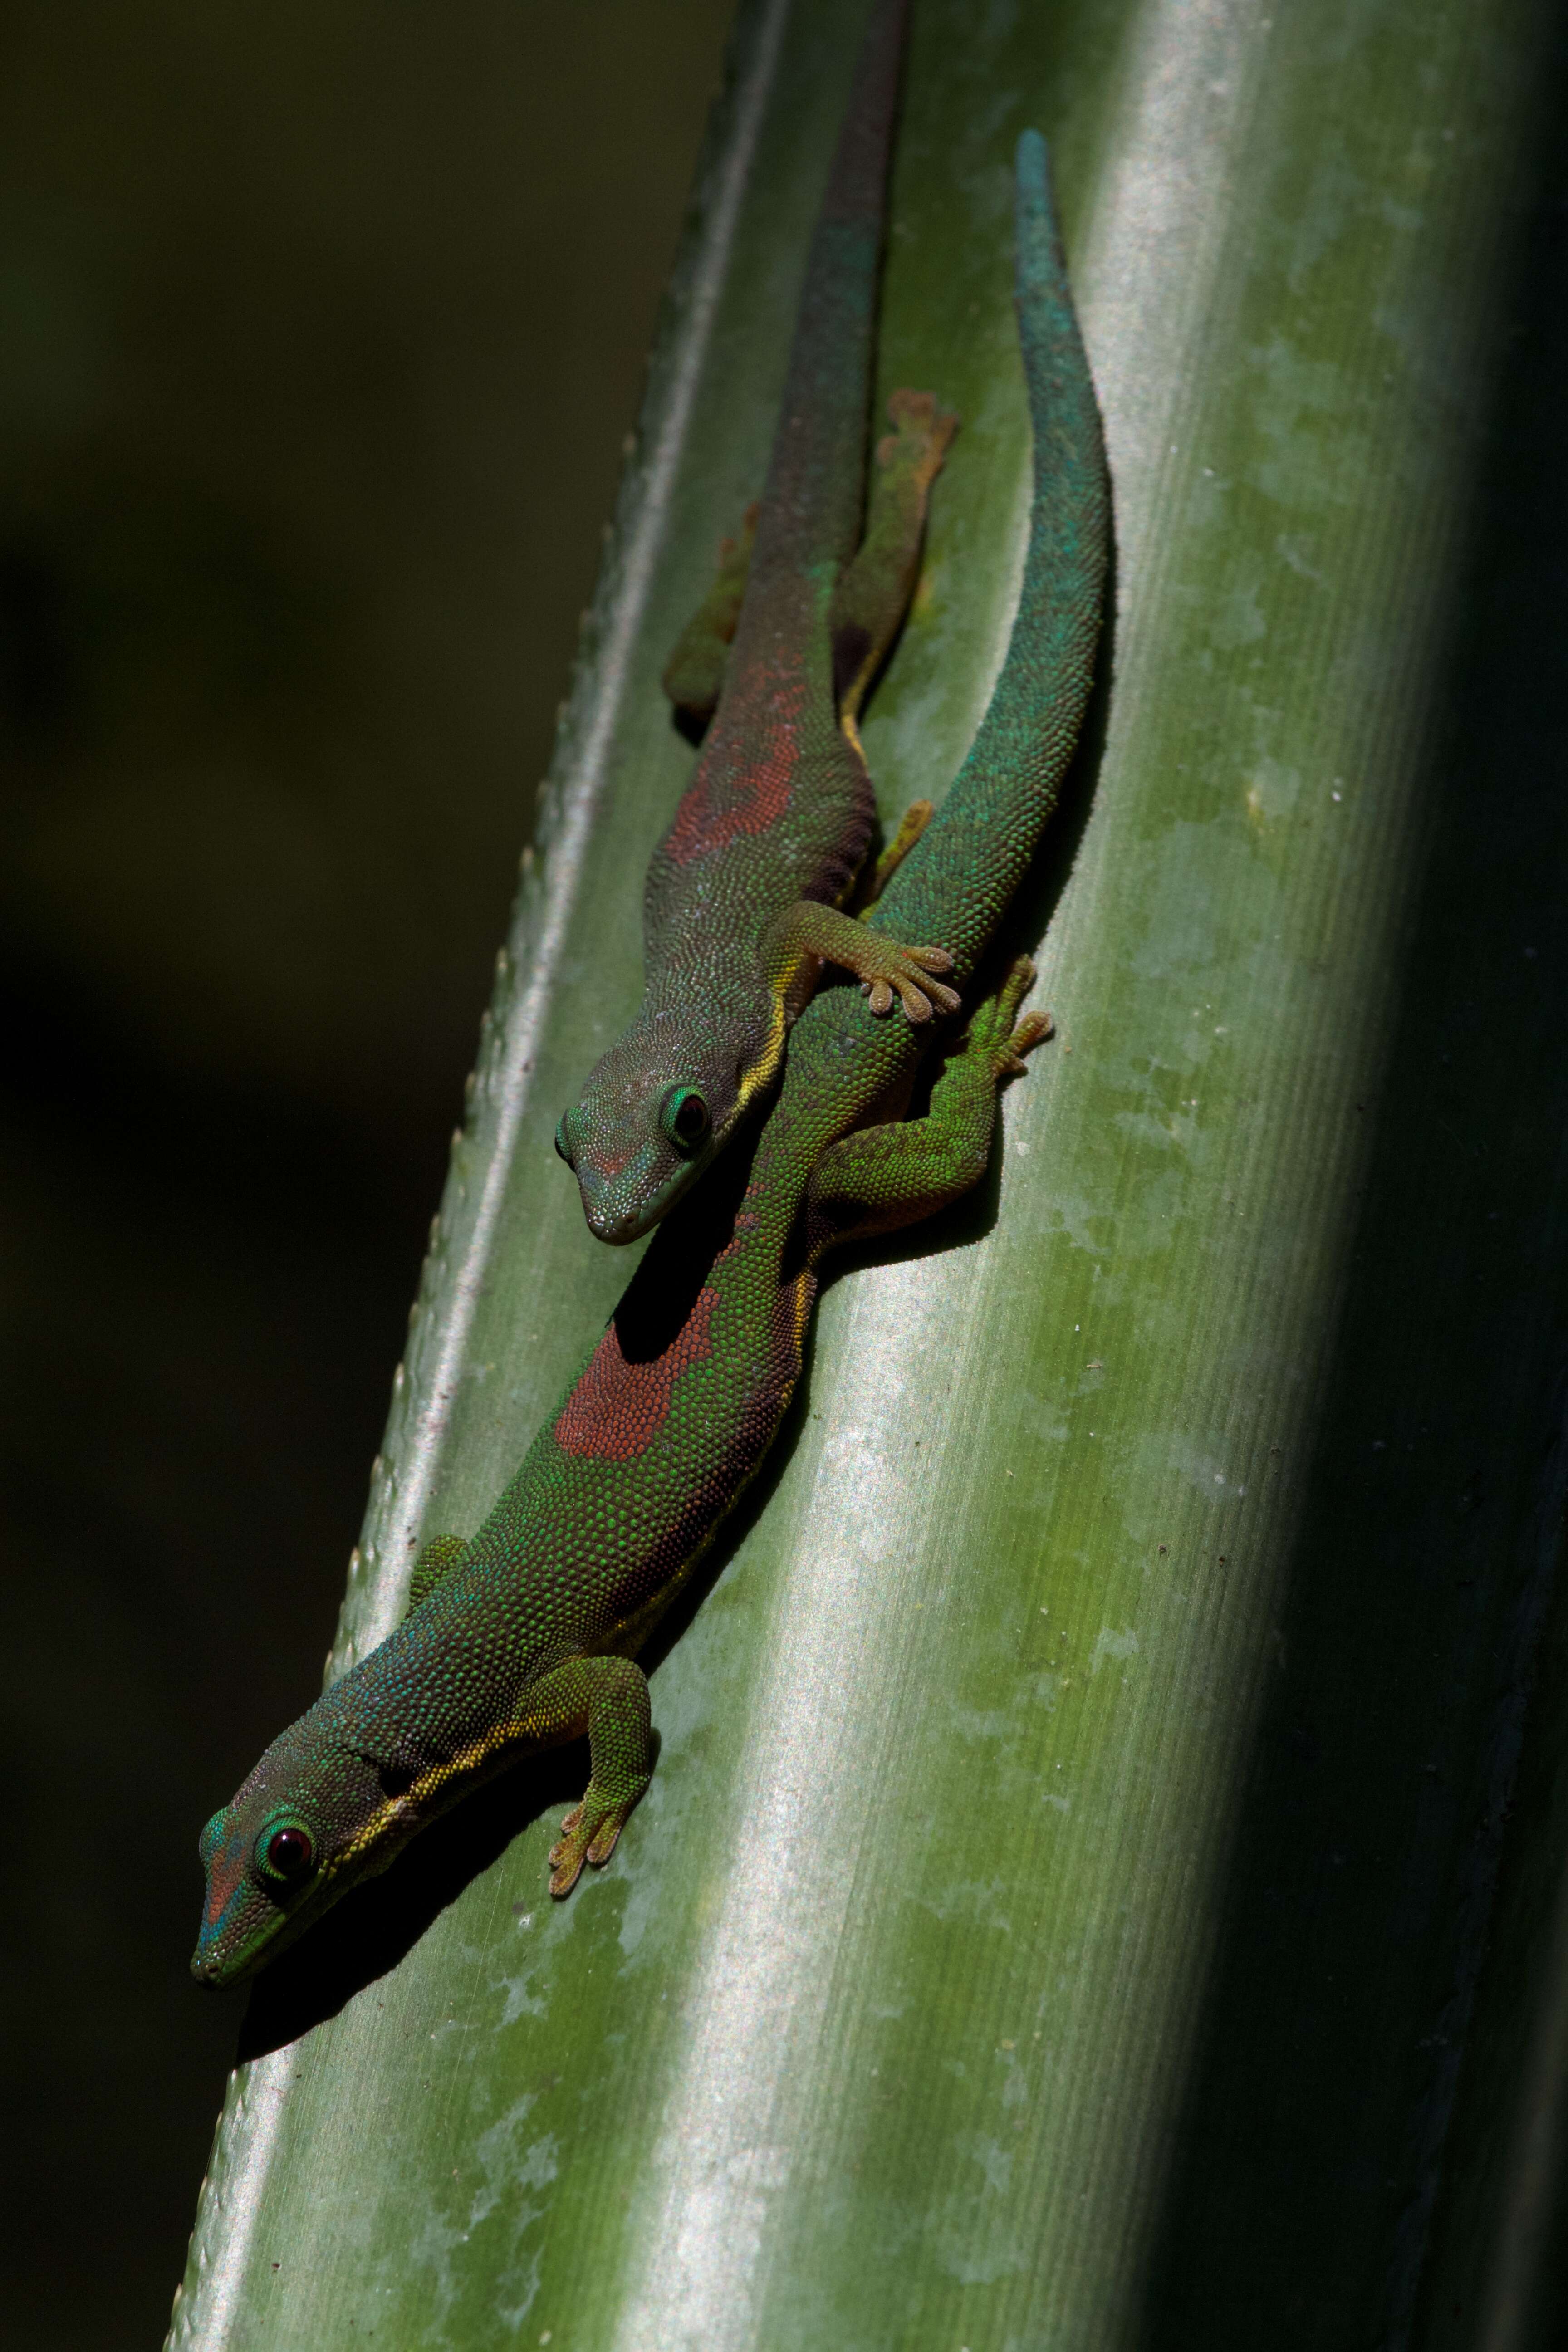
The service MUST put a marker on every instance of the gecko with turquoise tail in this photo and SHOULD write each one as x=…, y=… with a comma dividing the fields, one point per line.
x=743, y=901
x=527, y=1633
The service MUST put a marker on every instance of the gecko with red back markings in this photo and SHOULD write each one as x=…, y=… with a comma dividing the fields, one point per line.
x=744, y=899
x=528, y=1632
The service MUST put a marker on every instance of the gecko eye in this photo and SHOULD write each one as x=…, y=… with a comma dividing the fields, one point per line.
x=285, y=1853
x=683, y=1116
x=563, y=1141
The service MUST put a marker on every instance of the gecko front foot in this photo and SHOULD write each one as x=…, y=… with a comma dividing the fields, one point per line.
x=607, y=1698
x=589, y=1833
x=885, y=968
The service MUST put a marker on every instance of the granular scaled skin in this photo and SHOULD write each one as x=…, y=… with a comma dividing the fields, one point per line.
x=617, y=1408
x=530, y=1630
x=778, y=817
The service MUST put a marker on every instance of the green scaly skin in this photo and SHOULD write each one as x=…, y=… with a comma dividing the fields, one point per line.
x=526, y=1634
x=743, y=905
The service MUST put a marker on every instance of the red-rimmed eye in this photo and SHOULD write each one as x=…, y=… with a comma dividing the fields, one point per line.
x=684, y=1117
x=288, y=1851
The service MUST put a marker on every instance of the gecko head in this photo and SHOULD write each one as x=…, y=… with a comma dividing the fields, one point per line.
x=655, y=1113
x=280, y=1854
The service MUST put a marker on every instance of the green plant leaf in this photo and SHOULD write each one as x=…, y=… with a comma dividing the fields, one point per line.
x=1075, y=1906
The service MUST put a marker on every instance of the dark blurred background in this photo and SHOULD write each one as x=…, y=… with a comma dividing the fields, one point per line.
x=319, y=333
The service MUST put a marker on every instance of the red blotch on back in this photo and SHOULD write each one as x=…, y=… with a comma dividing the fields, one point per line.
x=617, y=1409
x=729, y=797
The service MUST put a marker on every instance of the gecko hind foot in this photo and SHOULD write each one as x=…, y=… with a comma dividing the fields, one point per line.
x=996, y=1028
x=925, y=428
x=1032, y=1031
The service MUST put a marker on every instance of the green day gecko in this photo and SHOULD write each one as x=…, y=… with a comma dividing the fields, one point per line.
x=526, y=1634
x=744, y=900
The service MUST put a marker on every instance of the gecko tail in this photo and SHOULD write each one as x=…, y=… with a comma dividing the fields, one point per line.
x=814, y=504
x=980, y=845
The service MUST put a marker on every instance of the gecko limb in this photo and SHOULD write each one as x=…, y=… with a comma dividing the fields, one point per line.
x=607, y=1698
x=884, y=966
x=911, y=824
x=881, y=1178
x=436, y=1561
x=694, y=674
x=873, y=595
